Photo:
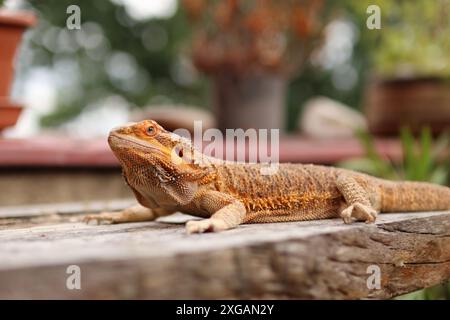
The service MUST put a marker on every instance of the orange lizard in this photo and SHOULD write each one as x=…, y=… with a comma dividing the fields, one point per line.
x=167, y=174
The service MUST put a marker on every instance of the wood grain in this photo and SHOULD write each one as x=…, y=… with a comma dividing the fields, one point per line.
x=157, y=260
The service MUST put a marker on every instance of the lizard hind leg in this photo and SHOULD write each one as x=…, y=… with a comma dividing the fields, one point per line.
x=359, y=202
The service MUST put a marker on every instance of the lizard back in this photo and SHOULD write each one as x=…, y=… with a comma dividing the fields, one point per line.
x=294, y=192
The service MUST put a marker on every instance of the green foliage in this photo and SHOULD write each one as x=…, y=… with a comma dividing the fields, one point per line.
x=438, y=292
x=413, y=39
x=423, y=160
x=51, y=46
x=156, y=81
x=142, y=61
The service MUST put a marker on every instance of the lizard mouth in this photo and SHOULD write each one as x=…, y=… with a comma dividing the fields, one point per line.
x=116, y=140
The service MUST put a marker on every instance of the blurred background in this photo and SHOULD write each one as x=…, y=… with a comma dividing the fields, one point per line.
x=130, y=55
x=374, y=100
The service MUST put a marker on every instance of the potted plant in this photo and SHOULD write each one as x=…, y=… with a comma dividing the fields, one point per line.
x=12, y=26
x=250, y=49
x=411, y=70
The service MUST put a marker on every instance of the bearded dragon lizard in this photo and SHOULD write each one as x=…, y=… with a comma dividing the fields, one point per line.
x=167, y=174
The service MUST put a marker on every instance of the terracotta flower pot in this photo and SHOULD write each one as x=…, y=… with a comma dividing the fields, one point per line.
x=414, y=103
x=12, y=26
x=9, y=113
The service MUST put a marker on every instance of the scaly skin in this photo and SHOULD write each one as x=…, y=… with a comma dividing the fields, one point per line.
x=167, y=175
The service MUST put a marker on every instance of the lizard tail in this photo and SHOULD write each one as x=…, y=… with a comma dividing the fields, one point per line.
x=414, y=196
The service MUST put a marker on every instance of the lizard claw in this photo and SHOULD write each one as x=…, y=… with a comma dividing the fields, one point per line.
x=359, y=212
x=97, y=219
x=207, y=225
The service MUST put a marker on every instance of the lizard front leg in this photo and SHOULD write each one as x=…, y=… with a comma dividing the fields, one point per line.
x=361, y=205
x=135, y=213
x=226, y=213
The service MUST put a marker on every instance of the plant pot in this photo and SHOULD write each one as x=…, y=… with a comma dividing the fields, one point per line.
x=419, y=102
x=246, y=101
x=9, y=113
x=12, y=26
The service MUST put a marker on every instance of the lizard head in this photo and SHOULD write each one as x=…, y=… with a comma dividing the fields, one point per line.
x=152, y=157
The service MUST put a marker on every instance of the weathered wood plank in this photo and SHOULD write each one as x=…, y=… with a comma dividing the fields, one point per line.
x=157, y=260
x=64, y=208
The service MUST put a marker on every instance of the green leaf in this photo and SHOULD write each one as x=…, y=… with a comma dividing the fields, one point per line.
x=439, y=175
x=424, y=162
x=359, y=164
x=381, y=167
x=409, y=163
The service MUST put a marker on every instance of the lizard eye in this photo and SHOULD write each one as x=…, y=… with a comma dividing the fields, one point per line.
x=150, y=130
x=180, y=153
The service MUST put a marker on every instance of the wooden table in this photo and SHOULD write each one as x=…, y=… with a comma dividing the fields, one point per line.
x=158, y=260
